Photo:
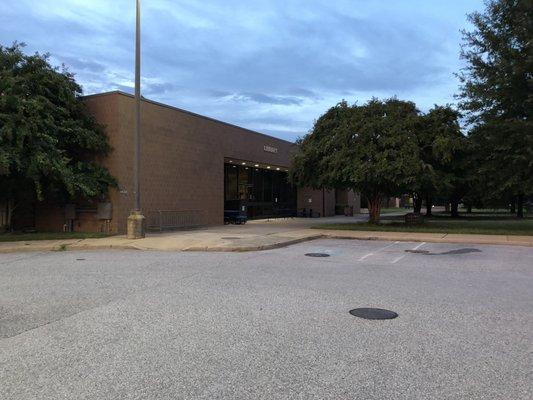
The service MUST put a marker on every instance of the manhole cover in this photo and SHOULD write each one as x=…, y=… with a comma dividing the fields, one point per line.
x=317, y=254
x=373, y=313
x=230, y=237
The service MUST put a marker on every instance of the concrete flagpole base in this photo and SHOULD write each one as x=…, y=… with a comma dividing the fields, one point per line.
x=136, y=225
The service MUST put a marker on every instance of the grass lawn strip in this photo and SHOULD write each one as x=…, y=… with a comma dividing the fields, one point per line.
x=486, y=224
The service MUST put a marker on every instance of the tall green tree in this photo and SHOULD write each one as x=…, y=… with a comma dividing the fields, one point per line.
x=49, y=144
x=497, y=95
x=371, y=149
x=442, y=149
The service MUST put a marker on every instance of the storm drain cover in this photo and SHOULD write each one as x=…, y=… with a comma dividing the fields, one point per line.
x=373, y=313
x=80, y=259
x=230, y=237
x=317, y=254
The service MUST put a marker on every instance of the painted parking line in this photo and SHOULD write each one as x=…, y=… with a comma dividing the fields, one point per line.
x=397, y=259
x=378, y=250
x=419, y=246
x=402, y=256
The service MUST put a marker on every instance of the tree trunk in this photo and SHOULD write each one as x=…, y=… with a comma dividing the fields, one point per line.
x=520, y=206
x=374, y=208
x=429, y=205
x=469, y=208
x=10, y=206
x=513, y=206
x=417, y=204
x=455, y=208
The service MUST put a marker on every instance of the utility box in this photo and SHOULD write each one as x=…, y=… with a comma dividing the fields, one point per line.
x=70, y=211
x=104, y=210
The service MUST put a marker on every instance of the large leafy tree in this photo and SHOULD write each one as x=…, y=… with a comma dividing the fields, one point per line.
x=48, y=142
x=371, y=149
x=497, y=94
x=443, y=151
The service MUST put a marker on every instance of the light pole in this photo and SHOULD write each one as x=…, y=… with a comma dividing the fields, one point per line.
x=136, y=219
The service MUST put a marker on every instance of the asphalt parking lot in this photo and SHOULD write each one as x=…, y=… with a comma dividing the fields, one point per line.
x=269, y=325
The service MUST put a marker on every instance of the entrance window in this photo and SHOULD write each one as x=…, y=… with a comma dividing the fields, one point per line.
x=267, y=185
x=231, y=182
x=263, y=192
x=245, y=184
x=258, y=184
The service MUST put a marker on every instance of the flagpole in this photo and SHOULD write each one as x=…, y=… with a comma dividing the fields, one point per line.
x=136, y=219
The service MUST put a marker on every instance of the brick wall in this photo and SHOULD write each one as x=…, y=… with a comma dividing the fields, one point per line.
x=182, y=160
x=312, y=199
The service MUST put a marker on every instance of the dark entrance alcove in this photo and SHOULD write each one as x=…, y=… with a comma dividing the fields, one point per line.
x=259, y=191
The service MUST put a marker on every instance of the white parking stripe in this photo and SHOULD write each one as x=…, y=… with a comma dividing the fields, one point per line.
x=415, y=248
x=368, y=255
x=419, y=246
x=397, y=259
x=377, y=251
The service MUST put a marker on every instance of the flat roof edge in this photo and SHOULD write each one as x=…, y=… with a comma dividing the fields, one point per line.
x=120, y=92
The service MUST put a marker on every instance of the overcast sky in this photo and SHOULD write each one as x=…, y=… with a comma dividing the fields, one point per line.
x=273, y=66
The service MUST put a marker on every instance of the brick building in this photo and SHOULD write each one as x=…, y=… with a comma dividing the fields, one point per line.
x=192, y=169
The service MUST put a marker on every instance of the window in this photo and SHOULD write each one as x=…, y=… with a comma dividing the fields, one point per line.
x=231, y=184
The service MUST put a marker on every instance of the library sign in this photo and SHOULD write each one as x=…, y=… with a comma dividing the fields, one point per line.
x=270, y=149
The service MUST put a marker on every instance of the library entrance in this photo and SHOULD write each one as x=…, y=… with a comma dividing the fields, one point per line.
x=258, y=190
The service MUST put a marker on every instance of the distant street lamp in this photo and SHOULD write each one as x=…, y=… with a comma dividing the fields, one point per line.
x=136, y=218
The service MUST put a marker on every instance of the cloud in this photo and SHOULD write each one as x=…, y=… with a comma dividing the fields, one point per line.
x=268, y=65
x=266, y=99
x=81, y=64
x=304, y=93
x=124, y=88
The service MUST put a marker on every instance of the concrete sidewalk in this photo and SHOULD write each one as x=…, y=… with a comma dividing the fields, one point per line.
x=256, y=235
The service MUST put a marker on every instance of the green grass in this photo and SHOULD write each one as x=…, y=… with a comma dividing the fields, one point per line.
x=62, y=247
x=391, y=210
x=486, y=224
x=395, y=210
x=22, y=237
x=486, y=210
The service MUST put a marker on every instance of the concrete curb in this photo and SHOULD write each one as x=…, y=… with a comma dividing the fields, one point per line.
x=36, y=246
x=255, y=248
x=30, y=247
x=444, y=238
x=123, y=244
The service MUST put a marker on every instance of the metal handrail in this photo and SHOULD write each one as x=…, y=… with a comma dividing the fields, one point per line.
x=174, y=219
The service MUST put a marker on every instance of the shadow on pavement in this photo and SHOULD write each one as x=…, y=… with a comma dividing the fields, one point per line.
x=450, y=252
